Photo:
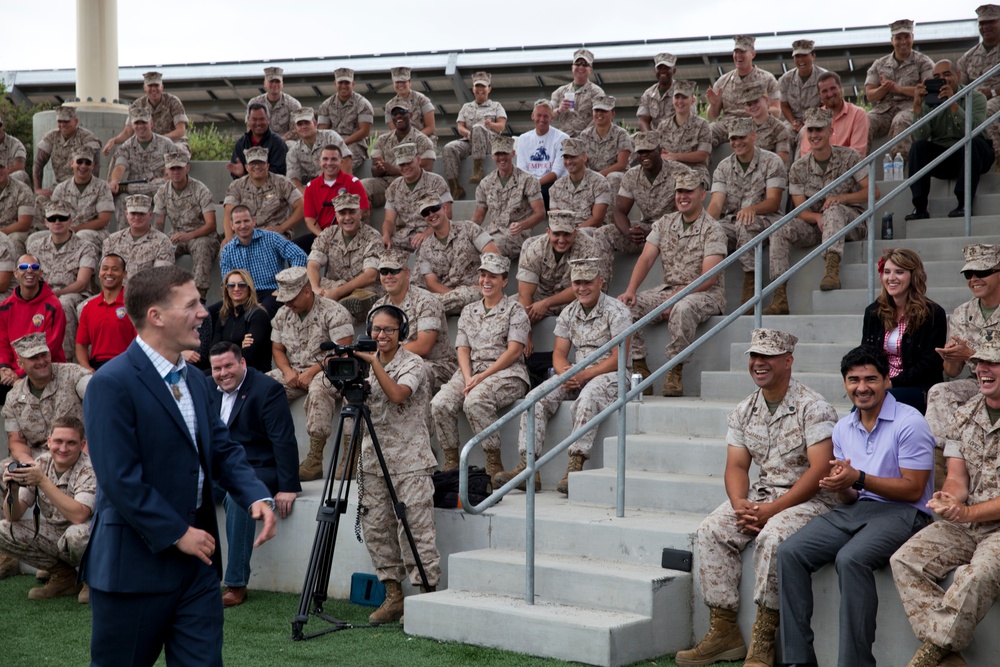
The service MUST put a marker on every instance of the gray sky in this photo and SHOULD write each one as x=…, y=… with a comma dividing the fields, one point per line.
x=186, y=31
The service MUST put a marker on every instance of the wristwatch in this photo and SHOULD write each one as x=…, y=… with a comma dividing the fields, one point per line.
x=860, y=483
x=274, y=508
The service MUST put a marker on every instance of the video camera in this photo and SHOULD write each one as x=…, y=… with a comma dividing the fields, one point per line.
x=343, y=369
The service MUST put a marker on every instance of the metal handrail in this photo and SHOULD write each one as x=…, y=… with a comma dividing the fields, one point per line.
x=626, y=394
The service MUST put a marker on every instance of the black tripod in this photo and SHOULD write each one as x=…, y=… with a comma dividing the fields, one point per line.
x=314, y=590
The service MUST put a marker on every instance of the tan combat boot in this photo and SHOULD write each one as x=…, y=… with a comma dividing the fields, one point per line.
x=84, y=596
x=953, y=659
x=722, y=642
x=748, y=287
x=477, y=172
x=451, y=460
x=359, y=302
x=456, y=190
x=493, y=462
x=392, y=609
x=575, y=465
x=9, y=567
x=642, y=368
x=831, y=280
x=672, y=385
x=342, y=466
x=779, y=302
x=761, y=651
x=928, y=655
x=505, y=476
x=312, y=467
x=62, y=581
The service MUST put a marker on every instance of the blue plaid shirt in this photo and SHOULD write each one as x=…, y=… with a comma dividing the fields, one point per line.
x=265, y=255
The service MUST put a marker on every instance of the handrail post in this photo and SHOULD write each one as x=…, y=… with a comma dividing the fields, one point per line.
x=529, y=508
x=967, y=196
x=623, y=386
x=758, y=283
x=872, y=229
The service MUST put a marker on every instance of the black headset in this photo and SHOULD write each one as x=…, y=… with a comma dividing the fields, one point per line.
x=404, y=327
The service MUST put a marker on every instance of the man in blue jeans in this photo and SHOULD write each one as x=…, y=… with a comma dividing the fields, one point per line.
x=254, y=408
x=882, y=473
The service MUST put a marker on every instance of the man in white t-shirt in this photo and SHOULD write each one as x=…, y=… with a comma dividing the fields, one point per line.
x=540, y=152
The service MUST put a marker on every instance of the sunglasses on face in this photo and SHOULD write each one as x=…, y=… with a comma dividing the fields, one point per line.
x=429, y=210
x=27, y=267
x=986, y=273
x=399, y=112
x=57, y=218
x=389, y=272
x=240, y=284
x=84, y=162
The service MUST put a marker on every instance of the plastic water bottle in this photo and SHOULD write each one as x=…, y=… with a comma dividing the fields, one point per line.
x=897, y=167
x=887, y=227
x=888, y=173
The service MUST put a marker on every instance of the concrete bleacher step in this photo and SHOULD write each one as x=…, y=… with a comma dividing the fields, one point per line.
x=650, y=490
x=930, y=249
x=982, y=225
x=940, y=273
x=849, y=301
x=737, y=385
x=669, y=454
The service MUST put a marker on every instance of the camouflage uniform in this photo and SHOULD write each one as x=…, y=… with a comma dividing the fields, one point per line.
x=602, y=153
x=95, y=199
x=486, y=334
x=894, y=113
x=654, y=200
x=799, y=93
x=151, y=249
x=57, y=539
x=419, y=105
x=731, y=86
x=32, y=415
x=303, y=160
x=61, y=150
x=507, y=203
x=778, y=443
x=280, y=112
x=166, y=115
x=346, y=260
x=141, y=163
x=61, y=267
x=539, y=266
x=8, y=260
x=326, y=321
x=186, y=209
x=12, y=147
x=805, y=178
x=658, y=106
x=694, y=135
x=746, y=188
x=580, y=197
x=270, y=204
x=682, y=252
x=972, y=550
x=16, y=199
x=399, y=197
x=344, y=119
x=586, y=332
x=406, y=445
x=581, y=116
x=425, y=313
x=385, y=145
x=973, y=64
x=455, y=262
x=478, y=143
x=773, y=136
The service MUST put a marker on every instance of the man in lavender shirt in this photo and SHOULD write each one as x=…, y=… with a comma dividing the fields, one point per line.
x=883, y=474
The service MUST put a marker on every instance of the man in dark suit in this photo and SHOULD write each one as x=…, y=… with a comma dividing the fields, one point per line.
x=254, y=408
x=155, y=444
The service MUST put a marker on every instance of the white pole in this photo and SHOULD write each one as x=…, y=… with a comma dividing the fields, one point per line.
x=97, y=51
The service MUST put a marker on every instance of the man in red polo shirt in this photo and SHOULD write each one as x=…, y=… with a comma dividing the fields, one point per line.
x=105, y=328
x=322, y=190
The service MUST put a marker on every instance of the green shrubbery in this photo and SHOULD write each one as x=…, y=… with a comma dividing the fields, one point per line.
x=17, y=119
x=208, y=143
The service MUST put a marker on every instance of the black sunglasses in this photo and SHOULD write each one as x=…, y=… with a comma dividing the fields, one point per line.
x=986, y=273
x=85, y=161
x=241, y=284
x=25, y=267
x=399, y=111
x=385, y=271
x=57, y=218
x=429, y=210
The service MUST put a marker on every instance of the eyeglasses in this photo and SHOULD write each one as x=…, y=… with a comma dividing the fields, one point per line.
x=986, y=273
x=386, y=330
x=241, y=284
x=430, y=210
x=389, y=272
x=84, y=161
x=399, y=111
x=57, y=218
x=29, y=267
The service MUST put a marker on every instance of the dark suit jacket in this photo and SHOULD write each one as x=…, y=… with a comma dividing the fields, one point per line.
x=147, y=474
x=922, y=366
x=261, y=421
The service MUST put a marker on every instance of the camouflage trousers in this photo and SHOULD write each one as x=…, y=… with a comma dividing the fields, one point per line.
x=615, y=181
x=458, y=298
x=320, y=406
x=510, y=246
x=477, y=145
x=359, y=153
x=891, y=123
x=375, y=188
x=948, y=618
x=993, y=131
x=20, y=241
x=597, y=394
x=203, y=251
x=384, y=535
x=96, y=237
x=720, y=544
x=738, y=235
x=800, y=233
x=50, y=546
x=72, y=304
x=480, y=406
x=402, y=237
x=612, y=238
x=683, y=321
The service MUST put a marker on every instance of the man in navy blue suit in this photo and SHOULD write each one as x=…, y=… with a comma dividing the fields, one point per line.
x=156, y=446
x=256, y=411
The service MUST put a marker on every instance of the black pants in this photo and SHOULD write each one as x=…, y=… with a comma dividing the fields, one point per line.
x=923, y=152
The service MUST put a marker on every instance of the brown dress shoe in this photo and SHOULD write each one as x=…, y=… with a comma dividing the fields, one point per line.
x=234, y=596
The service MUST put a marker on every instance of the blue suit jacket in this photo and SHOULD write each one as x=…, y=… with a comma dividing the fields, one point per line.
x=261, y=421
x=147, y=474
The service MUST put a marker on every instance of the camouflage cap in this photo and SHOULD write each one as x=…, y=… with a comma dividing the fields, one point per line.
x=668, y=59
x=271, y=73
x=494, y=263
x=585, y=268
x=55, y=207
x=740, y=126
x=573, y=147
x=393, y=259
x=803, y=47
x=175, y=159
x=82, y=152
x=404, y=153
x=343, y=74
x=817, y=117
x=903, y=25
x=64, y=112
x=687, y=180
x=255, y=154
x=753, y=93
x=482, y=79
x=744, y=42
x=646, y=141
x=400, y=74
x=502, y=144
x=981, y=257
x=138, y=203
x=345, y=201
x=585, y=54
x=988, y=351
x=290, y=282
x=562, y=221
x=398, y=102
x=31, y=345
x=988, y=12
x=303, y=113
x=428, y=200
x=684, y=87
x=137, y=114
x=604, y=102
x=771, y=342
x=152, y=78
